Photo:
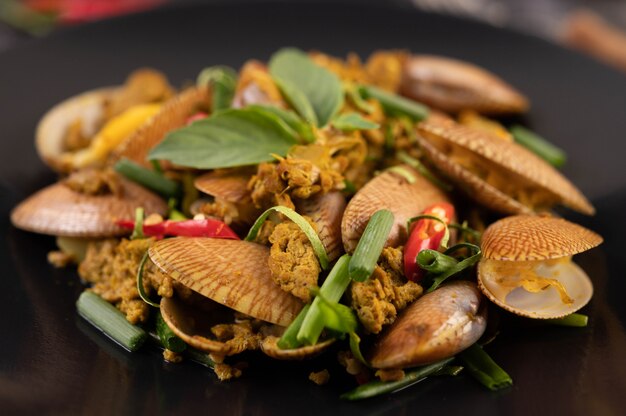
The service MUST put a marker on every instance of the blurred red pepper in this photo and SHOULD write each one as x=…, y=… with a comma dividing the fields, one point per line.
x=425, y=234
x=186, y=228
x=198, y=116
x=75, y=11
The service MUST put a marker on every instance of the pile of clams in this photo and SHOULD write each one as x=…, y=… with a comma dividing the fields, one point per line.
x=210, y=287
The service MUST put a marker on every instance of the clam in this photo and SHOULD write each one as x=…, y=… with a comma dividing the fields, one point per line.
x=230, y=187
x=233, y=273
x=269, y=346
x=173, y=114
x=391, y=191
x=452, y=85
x=527, y=267
x=326, y=212
x=436, y=326
x=500, y=175
x=255, y=86
x=61, y=211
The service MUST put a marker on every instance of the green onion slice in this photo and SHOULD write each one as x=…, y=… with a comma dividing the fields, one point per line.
x=402, y=171
x=456, y=268
x=538, y=145
x=140, y=288
x=482, y=367
x=167, y=337
x=289, y=340
x=575, y=319
x=423, y=170
x=147, y=178
x=138, y=229
x=395, y=105
x=370, y=245
x=306, y=228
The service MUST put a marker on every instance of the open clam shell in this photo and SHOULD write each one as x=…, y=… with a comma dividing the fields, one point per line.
x=269, y=346
x=58, y=210
x=231, y=272
x=438, y=325
x=173, y=114
x=511, y=163
x=526, y=266
x=232, y=187
x=326, y=211
x=452, y=85
x=389, y=191
x=88, y=107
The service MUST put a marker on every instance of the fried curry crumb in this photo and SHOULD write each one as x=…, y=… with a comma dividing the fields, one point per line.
x=378, y=300
x=95, y=182
x=320, y=378
x=390, y=375
x=171, y=356
x=226, y=372
x=59, y=259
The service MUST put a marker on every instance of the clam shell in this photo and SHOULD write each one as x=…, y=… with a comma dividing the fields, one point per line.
x=233, y=273
x=173, y=115
x=58, y=210
x=535, y=238
x=545, y=304
x=393, y=192
x=229, y=187
x=453, y=85
x=50, y=135
x=438, y=325
x=508, y=156
x=326, y=211
x=269, y=347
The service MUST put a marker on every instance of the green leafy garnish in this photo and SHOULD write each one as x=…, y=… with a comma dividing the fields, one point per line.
x=226, y=139
x=292, y=121
x=482, y=367
x=353, y=121
x=314, y=92
x=353, y=94
x=289, y=340
x=223, y=81
x=370, y=245
x=575, y=319
x=447, y=266
x=394, y=105
x=138, y=228
x=423, y=170
x=306, y=228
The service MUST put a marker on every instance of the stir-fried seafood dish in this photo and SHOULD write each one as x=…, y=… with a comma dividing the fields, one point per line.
x=370, y=210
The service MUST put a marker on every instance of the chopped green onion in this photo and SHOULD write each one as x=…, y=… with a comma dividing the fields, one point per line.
x=332, y=289
x=289, y=340
x=168, y=338
x=199, y=357
x=174, y=214
x=370, y=245
x=538, y=145
x=138, y=229
x=395, y=105
x=458, y=267
x=423, y=170
x=336, y=317
x=435, y=262
x=450, y=370
x=402, y=171
x=355, y=347
x=482, y=367
x=349, y=187
x=353, y=94
x=306, y=228
x=110, y=321
x=156, y=165
x=140, y=288
x=575, y=319
x=148, y=178
x=376, y=388
x=466, y=230
x=223, y=81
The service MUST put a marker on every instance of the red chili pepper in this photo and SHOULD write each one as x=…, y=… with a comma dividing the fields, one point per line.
x=197, y=116
x=425, y=234
x=187, y=228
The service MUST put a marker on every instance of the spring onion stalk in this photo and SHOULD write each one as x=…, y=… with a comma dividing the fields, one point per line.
x=349, y=187
x=464, y=229
x=394, y=104
x=332, y=289
x=306, y=228
x=110, y=321
x=199, y=357
x=370, y=245
x=376, y=388
x=575, y=319
x=402, y=171
x=450, y=370
x=190, y=193
x=404, y=157
x=336, y=316
x=435, y=262
x=148, y=178
x=458, y=267
x=167, y=337
x=538, y=145
x=482, y=367
x=355, y=348
x=289, y=340
x=138, y=229
x=140, y=288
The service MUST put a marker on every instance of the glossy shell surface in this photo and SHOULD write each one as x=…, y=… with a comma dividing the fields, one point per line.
x=326, y=211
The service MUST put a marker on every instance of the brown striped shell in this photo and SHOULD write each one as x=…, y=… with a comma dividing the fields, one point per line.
x=436, y=326
x=393, y=192
x=326, y=211
x=231, y=272
x=270, y=347
x=452, y=85
x=525, y=248
x=172, y=115
x=229, y=187
x=58, y=210
x=534, y=237
x=89, y=107
x=518, y=165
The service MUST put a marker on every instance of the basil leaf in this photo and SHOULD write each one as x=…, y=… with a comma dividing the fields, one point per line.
x=226, y=139
x=223, y=80
x=300, y=80
x=396, y=105
x=353, y=121
x=300, y=127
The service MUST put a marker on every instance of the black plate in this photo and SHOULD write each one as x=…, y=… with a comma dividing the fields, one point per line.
x=51, y=360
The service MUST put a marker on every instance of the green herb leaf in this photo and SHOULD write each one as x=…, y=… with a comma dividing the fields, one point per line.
x=353, y=121
x=306, y=228
x=482, y=367
x=292, y=121
x=223, y=81
x=313, y=91
x=395, y=105
x=226, y=139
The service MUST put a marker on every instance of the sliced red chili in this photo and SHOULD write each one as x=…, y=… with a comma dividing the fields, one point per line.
x=425, y=234
x=187, y=228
